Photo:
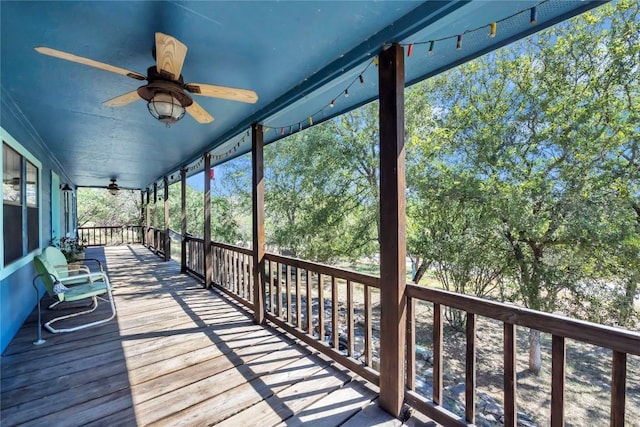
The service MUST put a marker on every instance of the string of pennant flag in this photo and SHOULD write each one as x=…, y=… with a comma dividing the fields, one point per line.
x=491, y=29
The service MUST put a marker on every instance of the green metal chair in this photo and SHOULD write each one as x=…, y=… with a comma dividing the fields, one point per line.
x=65, y=270
x=95, y=285
x=69, y=274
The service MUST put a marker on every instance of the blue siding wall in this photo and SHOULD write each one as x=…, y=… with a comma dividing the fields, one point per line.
x=17, y=296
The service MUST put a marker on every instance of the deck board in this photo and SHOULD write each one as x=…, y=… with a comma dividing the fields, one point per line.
x=176, y=354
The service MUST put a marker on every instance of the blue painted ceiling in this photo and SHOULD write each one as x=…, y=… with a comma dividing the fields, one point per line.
x=297, y=56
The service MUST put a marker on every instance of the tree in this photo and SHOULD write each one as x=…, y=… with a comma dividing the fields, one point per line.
x=98, y=207
x=548, y=130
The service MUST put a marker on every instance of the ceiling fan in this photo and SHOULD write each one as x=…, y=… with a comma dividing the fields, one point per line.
x=166, y=93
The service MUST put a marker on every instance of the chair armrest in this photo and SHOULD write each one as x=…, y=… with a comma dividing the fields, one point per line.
x=92, y=259
x=71, y=268
x=91, y=277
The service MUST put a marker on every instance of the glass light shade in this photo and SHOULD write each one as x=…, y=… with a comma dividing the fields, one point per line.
x=113, y=187
x=166, y=108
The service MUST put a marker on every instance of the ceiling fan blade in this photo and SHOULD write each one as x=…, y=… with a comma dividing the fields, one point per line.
x=90, y=62
x=199, y=113
x=122, y=100
x=242, y=95
x=170, y=54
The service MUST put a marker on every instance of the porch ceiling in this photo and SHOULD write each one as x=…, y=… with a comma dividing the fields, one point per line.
x=297, y=56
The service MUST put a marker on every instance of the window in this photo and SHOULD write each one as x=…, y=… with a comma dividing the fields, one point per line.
x=20, y=205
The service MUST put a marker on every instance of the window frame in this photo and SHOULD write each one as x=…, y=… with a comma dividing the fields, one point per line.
x=27, y=257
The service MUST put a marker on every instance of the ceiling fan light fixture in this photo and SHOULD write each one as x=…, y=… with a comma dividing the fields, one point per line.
x=113, y=187
x=166, y=108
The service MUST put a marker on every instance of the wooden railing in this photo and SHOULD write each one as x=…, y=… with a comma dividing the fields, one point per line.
x=336, y=311
x=110, y=235
x=233, y=271
x=194, y=256
x=621, y=342
x=155, y=239
x=333, y=310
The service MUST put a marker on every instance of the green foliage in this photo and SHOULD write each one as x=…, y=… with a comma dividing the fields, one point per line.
x=321, y=189
x=71, y=247
x=529, y=167
x=97, y=207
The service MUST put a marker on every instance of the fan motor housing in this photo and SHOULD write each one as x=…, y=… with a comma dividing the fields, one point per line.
x=157, y=83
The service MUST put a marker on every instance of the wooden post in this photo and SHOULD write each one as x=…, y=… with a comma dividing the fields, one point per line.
x=142, y=215
x=167, y=238
x=148, y=220
x=510, y=378
x=618, y=388
x=155, y=217
x=183, y=220
x=558, y=361
x=392, y=230
x=257, y=166
x=208, y=265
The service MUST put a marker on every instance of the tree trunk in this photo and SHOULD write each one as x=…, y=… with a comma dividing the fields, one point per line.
x=535, y=357
x=422, y=268
x=628, y=302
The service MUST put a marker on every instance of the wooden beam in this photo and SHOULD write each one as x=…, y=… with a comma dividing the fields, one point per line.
x=257, y=191
x=207, y=261
x=392, y=230
x=167, y=238
x=183, y=220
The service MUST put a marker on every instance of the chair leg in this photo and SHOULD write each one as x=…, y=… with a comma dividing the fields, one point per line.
x=86, y=325
x=56, y=305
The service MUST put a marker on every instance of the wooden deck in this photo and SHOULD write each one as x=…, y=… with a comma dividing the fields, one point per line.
x=176, y=354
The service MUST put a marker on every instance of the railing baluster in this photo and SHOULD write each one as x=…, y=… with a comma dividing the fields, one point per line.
x=298, y=299
x=287, y=282
x=350, y=330
x=245, y=276
x=618, y=388
x=368, y=348
x=236, y=272
x=411, y=343
x=334, y=313
x=321, y=304
x=437, y=354
x=272, y=300
x=470, y=374
x=558, y=353
x=278, y=294
x=509, y=363
x=309, y=303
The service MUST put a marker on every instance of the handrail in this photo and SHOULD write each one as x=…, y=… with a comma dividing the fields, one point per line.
x=616, y=339
x=104, y=235
x=622, y=342
x=365, y=279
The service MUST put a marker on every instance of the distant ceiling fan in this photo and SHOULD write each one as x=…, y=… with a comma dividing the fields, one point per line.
x=166, y=93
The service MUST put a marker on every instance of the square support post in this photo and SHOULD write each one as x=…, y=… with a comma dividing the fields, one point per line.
x=392, y=230
x=257, y=167
x=148, y=220
x=155, y=217
x=183, y=220
x=167, y=238
x=207, y=265
x=142, y=216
